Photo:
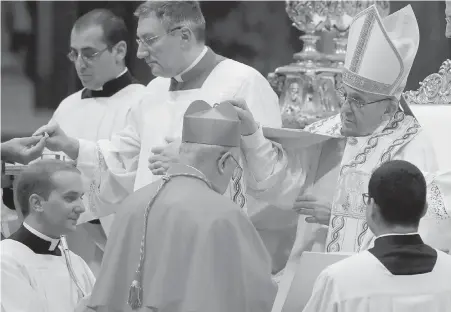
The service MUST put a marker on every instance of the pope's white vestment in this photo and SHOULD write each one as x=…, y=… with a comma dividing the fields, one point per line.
x=123, y=160
x=373, y=40
x=401, y=139
x=39, y=281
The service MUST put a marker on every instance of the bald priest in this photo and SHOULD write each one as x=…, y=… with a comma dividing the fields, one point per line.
x=177, y=244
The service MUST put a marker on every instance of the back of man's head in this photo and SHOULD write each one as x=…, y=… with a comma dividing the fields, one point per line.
x=216, y=162
x=113, y=26
x=36, y=179
x=211, y=139
x=398, y=188
x=174, y=14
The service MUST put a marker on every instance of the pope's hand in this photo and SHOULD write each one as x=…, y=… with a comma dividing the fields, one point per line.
x=24, y=150
x=58, y=140
x=248, y=124
x=317, y=211
x=164, y=156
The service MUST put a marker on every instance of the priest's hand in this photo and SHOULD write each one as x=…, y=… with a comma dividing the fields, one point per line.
x=164, y=156
x=23, y=150
x=317, y=211
x=58, y=140
x=248, y=124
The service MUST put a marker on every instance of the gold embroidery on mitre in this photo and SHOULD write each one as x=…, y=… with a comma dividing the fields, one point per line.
x=364, y=84
x=352, y=78
x=362, y=42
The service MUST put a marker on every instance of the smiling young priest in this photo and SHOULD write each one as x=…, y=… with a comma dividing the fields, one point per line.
x=177, y=244
x=38, y=271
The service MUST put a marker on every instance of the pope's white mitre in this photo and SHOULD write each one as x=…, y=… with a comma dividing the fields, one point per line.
x=380, y=51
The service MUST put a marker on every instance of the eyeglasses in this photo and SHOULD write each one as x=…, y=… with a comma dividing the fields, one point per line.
x=151, y=40
x=86, y=56
x=366, y=198
x=354, y=102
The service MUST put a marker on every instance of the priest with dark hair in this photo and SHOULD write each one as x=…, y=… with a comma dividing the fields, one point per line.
x=177, y=244
x=38, y=271
x=400, y=273
x=99, y=43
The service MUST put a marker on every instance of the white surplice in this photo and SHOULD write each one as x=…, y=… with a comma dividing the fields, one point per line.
x=361, y=283
x=93, y=119
x=123, y=160
x=40, y=282
x=97, y=118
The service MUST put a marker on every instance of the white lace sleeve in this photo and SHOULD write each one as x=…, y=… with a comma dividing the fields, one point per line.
x=435, y=226
x=438, y=208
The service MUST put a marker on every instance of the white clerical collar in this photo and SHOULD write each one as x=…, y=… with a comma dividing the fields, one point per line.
x=398, y=234
x=53, y=242
x=197, y=60
x=123, y=72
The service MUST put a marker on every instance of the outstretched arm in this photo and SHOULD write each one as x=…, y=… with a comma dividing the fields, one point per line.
x=23, y=150
x=109, y=166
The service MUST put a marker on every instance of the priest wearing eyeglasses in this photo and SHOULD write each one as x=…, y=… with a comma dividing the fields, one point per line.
x=171, y=37
x=98, y=46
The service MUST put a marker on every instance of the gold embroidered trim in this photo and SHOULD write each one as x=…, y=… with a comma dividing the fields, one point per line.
x=410, y=133
x=364, y=84
x=436, y=206
x=362, y=234
x=238, y=195
x=362, y=42
x=94, y=186
x=337, y=224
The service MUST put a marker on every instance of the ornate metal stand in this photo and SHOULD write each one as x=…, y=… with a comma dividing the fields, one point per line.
x=307, y=87
x=434, y=89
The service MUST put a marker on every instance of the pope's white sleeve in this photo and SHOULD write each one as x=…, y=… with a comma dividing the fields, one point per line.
x=110, y=167
x=264, y=161
x=17, y=293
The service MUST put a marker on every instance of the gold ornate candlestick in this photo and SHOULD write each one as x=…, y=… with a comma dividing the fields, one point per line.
x=307, y=87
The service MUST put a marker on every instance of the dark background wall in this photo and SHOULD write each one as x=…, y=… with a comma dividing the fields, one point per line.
x=258, y=33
